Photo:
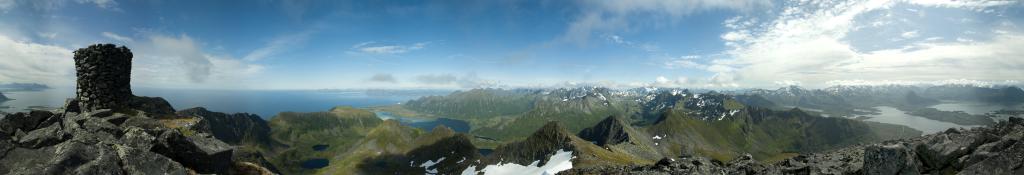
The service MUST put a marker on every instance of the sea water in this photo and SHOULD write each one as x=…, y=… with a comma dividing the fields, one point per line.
x=265, y=103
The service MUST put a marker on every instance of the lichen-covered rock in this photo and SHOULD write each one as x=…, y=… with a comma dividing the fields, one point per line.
x=46, y=136
x=1007, y=161
x=890, y=159
x=141, y=161
x=202, y=154
x=939, y=151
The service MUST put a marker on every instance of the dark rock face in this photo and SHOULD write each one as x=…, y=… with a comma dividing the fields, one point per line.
x=239, y=129
x=545, y=142
x=611, y=130
x=72, y=143
x=235, y=129
x=151, y=105
x=456, y=149
x=104, y=76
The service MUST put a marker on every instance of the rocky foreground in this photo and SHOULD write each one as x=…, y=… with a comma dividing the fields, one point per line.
x=128, y=141
x=995, y=149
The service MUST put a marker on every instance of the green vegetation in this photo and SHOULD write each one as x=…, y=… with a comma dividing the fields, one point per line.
x=476, y=103
x=765, y=134
x=339, y=128
x=518, y=123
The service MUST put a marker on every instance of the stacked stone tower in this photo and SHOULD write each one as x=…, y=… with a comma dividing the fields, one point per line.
x=104, y=77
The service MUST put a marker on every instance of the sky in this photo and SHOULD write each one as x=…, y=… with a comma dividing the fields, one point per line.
x=711, y=44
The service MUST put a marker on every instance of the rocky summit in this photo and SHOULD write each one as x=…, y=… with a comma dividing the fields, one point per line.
x=107, y=130
x=995, y=149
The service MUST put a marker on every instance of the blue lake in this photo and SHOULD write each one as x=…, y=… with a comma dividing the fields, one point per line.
x=265, y=103
x=315, y=163
x=319, y=147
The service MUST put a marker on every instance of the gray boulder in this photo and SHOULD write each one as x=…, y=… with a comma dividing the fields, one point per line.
x=140, y=161
x=202, y=154
x=79, y=158
x=48, y=136
x=890, y=159
x=25, y=122
x=939, y=151
x=1007, y=161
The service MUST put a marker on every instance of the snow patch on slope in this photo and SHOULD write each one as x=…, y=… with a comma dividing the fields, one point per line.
x=561, y=161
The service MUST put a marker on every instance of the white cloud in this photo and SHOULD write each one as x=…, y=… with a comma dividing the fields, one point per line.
x=169, y=61
x=50, y=5
x=383, y=78
x=788, y=83
x=622, y=41
x=469, y=80
x=807, y=43
x=6, y=5
x=969, y=4
x=684, y=63
x=278, y=45
x=377, y=48
x=117, y=37
x=50, y=35
x=22, y=61
x=106, y=4
x=859, y=82
x=910, y=34
x=611, y=16
x=661, y=81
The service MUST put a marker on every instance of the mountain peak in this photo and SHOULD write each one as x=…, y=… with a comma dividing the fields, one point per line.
x=611, y=130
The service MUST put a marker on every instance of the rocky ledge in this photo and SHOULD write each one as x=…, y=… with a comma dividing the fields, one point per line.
x=130, y=141
x=995, y=149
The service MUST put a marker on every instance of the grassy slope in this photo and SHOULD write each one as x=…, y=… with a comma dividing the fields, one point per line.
x=339, y=128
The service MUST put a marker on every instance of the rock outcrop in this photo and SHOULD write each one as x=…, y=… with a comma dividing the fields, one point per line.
x=107, y=130
x=609, y=131
x=542, y=144
x=100, y=142
x=235, y=129
x=551, y=138
x=995, y=149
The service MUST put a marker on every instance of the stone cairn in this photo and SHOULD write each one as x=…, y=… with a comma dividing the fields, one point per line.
x=104, y=77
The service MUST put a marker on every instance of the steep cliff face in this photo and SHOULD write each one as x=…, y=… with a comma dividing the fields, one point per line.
x=235, y=129
x=551, y=138
x=609, y=131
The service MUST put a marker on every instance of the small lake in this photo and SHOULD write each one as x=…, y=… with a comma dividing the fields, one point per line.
x=315, y=163
x=485, y=152
x=426, y=124
x=319, y=147
x=892, y=115
x=975, y=108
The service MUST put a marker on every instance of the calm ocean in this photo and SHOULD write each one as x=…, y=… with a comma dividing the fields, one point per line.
x=265, y=103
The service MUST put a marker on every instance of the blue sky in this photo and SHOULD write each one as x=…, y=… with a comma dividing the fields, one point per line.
x=467, y=44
